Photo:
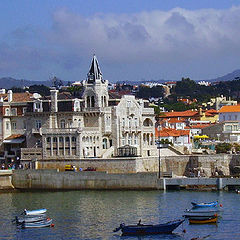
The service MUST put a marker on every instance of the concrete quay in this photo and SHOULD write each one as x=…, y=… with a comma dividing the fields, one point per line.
x=55, y=180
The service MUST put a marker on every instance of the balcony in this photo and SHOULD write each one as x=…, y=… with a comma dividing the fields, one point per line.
x=60, y=130
x=131, y=129
x=31, y=153
x=148, y=111
x=36, y=131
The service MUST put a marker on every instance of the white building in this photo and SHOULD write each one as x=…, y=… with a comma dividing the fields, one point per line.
x=93, y=126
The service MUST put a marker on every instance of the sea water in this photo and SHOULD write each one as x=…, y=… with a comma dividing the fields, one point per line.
x=94, y=214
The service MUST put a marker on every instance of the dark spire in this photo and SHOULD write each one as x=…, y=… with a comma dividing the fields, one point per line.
x=94, y=71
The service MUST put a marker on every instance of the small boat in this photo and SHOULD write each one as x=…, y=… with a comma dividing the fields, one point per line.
x=200, y=205
x=203, y=220
x=206, y=213
x=142, y=229
x=30, y=218
x=35, y=212
x=40, y=224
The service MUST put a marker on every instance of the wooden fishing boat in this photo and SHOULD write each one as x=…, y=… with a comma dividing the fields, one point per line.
x=203, y=220
x=201, y=205
x=35, y=212
x=142, y=229
x=40, y=224
x=30, y=218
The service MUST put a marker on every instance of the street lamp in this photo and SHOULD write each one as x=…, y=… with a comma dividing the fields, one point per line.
x=159, y=156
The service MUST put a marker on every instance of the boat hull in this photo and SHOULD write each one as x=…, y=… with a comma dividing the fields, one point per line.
x=30, y=218
x=203, y=205
x=203, y=220
x=41, y=224
x=137, y=230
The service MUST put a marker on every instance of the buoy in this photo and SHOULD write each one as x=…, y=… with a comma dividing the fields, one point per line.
x=184, y=231
x=220, y=205
x=52, y=225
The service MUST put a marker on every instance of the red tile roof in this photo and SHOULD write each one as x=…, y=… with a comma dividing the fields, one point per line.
x=167, y=132
x=188, y=113
x=225, y=109
x=18, y=97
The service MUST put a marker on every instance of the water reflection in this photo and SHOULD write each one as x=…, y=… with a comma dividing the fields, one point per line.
x=94, y=214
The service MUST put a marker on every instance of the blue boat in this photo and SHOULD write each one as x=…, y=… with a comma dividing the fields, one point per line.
x=142, y=229
x=200, y=205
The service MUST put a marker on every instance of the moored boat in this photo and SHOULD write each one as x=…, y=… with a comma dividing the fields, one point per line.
x=206, y=213
x=142, y=229
x=40, y=224
x=30, y=218
x=203, y=220
x=202, y=205
x=35, y=212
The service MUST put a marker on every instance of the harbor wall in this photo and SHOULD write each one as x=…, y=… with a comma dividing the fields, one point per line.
x=178, y=165
x=52, y=179
x=6, y=179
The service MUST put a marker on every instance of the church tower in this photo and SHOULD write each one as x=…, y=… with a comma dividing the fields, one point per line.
x=95, y=88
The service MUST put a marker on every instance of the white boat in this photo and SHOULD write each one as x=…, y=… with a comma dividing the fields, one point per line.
x=41, y=224
x=193, y=213
x=30, y=218
x=35, y=212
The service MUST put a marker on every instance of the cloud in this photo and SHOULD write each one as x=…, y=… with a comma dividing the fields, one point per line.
x=167, y=38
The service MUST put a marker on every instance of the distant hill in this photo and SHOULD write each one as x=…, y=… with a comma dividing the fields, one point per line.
x=8, y=82
x=228, y=77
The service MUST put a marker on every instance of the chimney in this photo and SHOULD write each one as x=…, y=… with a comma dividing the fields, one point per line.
x=54, y=100
x=10, y=95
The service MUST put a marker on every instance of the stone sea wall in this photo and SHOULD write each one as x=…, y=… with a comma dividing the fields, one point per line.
x=183, y=165
x=52, y=179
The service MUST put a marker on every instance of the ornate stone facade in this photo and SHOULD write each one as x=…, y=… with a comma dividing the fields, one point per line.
x=92, y=126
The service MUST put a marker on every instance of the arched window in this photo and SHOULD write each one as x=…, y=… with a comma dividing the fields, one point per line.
x=67, y=139
x=92, y=101
x=60, y=139
x=62, y=124
x=73, y=139
x=104, y=143
x=105, y=101
x=147, y=122
x=88, y=101
x=48, y=139
x=54, y=139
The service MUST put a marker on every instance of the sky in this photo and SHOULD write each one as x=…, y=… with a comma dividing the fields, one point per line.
x=133, y=40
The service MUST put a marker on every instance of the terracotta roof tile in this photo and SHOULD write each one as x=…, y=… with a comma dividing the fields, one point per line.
x=14, y=136
x=167, y=132
x=235, y=108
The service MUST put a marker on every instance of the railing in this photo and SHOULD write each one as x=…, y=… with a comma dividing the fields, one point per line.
x=131, y=129
x=31, y=153
x=148, y=111
x=60, y=130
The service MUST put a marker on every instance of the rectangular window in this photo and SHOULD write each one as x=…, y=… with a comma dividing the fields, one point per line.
x=123, y=122
x=135, y=140
x=228, y=128
x=7, y=125
x=235, y=117
x=38, y=124
x=13, y=112
x=24, y=110
x=14, y=125
x=136, y=122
